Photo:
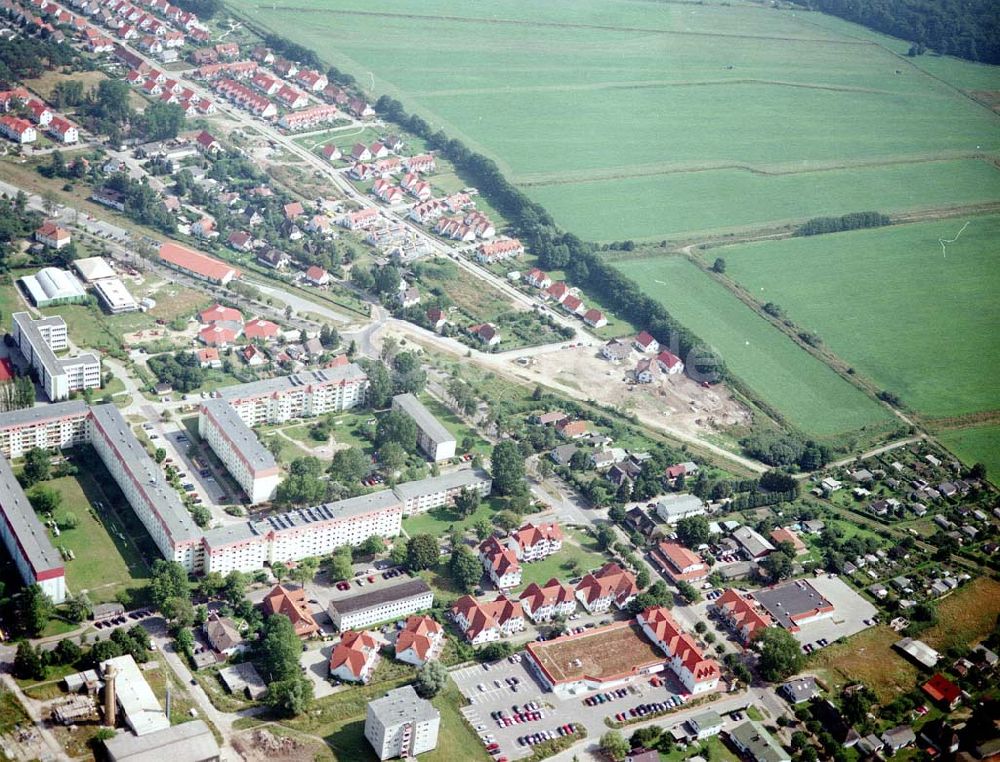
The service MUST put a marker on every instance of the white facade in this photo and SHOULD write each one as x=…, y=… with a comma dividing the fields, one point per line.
x=433, y=438
x=250, y=463
x=437, y=491
x=381, y=605
x=299, y=396
x=401, y=724
x=38, y=341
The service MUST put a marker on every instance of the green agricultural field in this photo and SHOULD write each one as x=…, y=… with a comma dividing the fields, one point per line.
x=976, y=445
x=806, y=391
x=642, y=120
x=918, y=322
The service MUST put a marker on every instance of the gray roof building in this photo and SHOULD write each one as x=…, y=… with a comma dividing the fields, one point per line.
x=799, y=690
x=753, y=544
x=268, y=386
x=918, y=651
x=381, y=604
x=187, y=742
x=433, y=438
x=757, y=744
x=467, y=477
x=793, y=602
x=239, y=435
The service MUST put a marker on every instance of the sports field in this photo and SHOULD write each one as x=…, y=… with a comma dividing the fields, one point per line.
x=641, y=120
x=809, y=394
x=919, y=321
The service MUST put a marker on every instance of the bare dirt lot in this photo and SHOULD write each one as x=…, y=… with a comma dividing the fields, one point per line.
x=676, y=401
x=269, y=744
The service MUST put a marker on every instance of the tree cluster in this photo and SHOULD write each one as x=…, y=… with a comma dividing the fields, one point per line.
x=181, y=370
x=852, y=221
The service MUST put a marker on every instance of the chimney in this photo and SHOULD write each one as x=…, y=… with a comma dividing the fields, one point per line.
x=109, y=695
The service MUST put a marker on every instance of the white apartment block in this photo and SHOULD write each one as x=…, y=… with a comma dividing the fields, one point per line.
x=401, y=724
x=380, y=605
x=437, y=491
x=250, y=463
x=39, y=340
x=433, y=438
x=292, y=536
x=60, y=425
x=302, y=395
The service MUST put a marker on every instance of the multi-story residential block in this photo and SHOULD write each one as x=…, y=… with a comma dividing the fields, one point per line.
x=542, y=603
x=401, y=724
x=250, y=463
x=433, y=438
x=534, y=542
x=742, y=614
x=437, y=491
x=301, y=395
x=26, y=540
x=61, y=425
x=482, y=622
x=500, y=563
x=380, y=604
x=609, y=584
x=39, y=340
x=698, y=674
x=354, y=658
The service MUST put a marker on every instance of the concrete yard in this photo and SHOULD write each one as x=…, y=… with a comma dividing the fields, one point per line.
x=850, y=611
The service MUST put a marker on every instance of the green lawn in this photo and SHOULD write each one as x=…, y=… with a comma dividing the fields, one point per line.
x=458, y=428
x=976, y=445
x=106, y=560
x=572, y=99
x=576, y=547
x=807, y=392
x=439, y=521
x=888, y=302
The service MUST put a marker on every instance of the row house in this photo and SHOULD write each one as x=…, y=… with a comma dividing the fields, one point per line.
x=500, y=562
x=391, y=165
x=336, y=95
x=361, y=171
x=611, y=584
x=386, y=191
x=742, y=614
x=487, y=621
x=291, y=98
x=264, y=82
x=310, y=117
x=229, y=50
x=421, y=163
x=13, y=98
x=360, y=220
x=455, y=229
x=284, y=67
x=697, y=673
x=426, y=211
x=543, y=603
x=360, y=108
x=235, y=70
x=246, y=98
x=63, y=131
x=538, y=279
x=497, y=251
x=312, y=80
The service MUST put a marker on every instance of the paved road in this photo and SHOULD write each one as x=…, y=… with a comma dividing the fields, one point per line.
x=301, y=304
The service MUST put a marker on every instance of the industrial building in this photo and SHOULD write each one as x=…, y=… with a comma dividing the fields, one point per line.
x=126, y=691
x=401, y=724
x=187, y=742
x=39, y=340
x=114, y=296
x=381, y=605
x=433, y=438
x=93, y=269
x=196, y=264
x=50, y=285
x=250, y=463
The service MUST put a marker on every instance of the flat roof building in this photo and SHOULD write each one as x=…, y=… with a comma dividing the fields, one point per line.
x=437, y=491
x=249, y=462
x=115, y=296
x=93, y=268
x=301, y=395
x=135, y=699
x=756, y=743
x=401, y=724
x=673, y=508
x=433, y=438
x=39, y=340
x=59, y=425
x=793, y=604
x=187, y=742
x=380, y=605
x=26, y=540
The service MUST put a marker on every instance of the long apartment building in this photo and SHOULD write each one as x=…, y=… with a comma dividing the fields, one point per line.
x=26, y=539
x=301, y=395
x=58, y=426
x=298, y=534
x=437, y=491
x=39, y=340
x=433, y=438
x=251, y=464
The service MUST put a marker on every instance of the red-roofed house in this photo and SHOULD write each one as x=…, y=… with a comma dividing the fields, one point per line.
x=240, y=240
x=538, y=279
x=7, y=372
x=317, y=276
x=609, y=584
x=435, y=316
x=500, y=563
x=360, y=220
x=207, y=143
x=670, y=363
x=644, y=342
x=485, y=622
x=196, y=264
x=568, y=429
x=17, y=129
x=360, y=152
x=217, y=312
x=531, y=542
x=293, y=210
x=497, y=251
x=421, y=163
x=557, y=291
x=209, y=358
x=943, y=691
x=783, y=534
x=543, y=603
x=355, y=657
x=291, y=603
x=595, y=318
x=53, y=236
x=420, y=640
x=742, y=614
x=216, y=335
x=258, y=328
x=679, y=563
x=573, y=304
x=698, y=674
x=486, y=333
x=332, y=153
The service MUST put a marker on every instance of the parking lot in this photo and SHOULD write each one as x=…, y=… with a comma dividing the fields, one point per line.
x=488, y=689
x=850, y=612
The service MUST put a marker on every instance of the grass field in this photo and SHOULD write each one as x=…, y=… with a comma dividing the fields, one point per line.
x=807, y=392
x=966, y=616
x=438, y=521
x=976, y=445
x=576, y=547
x=889, y=303
x=106, y=561
x=573, y=99
x=867, y=657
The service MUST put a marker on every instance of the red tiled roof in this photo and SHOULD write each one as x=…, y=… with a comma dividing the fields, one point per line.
x=610, y=579
x=258, y=328
x=207, y=267
x=353, y=650
x=218, y=312
x=291, y=603
x=418, y=633
x=941, y=689
x=552, y=594
x=668, y=358
x=530, y=535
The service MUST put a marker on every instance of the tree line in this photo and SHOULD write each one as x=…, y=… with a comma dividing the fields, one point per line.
x=852, y=221
x=967, y=29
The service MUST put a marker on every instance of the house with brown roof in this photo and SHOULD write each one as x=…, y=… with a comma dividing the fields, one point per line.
x=292, y=603
x=679, y=563
x=317, y=276
x=571, y=429
x=542, y=603
x=354, y=658
x=482, y=622
x=53, y=236
x=784, y=534
x=533, y=542
x=611, y=584
x=223, y=636
x=420, y=641
x=595, y=318
x=742, y=614
x=500, y=562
